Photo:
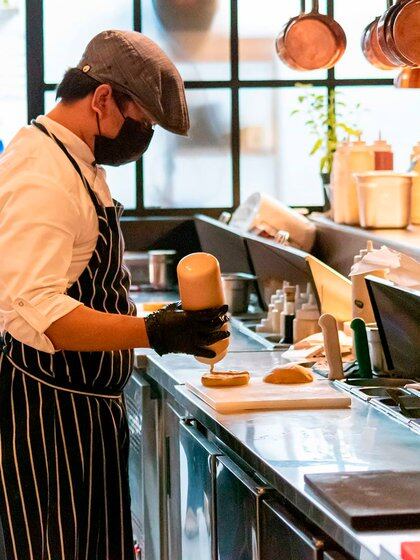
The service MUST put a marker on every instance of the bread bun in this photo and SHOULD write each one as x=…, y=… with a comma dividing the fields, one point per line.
x=289, y=374
x=225, y=379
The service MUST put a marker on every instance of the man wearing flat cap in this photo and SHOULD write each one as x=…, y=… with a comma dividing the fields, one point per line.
x=67, y=322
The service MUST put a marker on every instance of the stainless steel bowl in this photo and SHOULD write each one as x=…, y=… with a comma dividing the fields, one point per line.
x=237, y=289
x=162, y=275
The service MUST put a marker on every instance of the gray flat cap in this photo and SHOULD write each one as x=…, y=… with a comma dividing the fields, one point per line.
x=139, y=67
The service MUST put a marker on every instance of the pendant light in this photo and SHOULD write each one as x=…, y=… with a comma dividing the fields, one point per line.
x=408, y=78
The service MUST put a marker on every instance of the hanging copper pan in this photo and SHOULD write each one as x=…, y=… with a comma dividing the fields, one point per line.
x=371, y=48
x=389, y=35
x=406, y=31
x=384, y=34
x=383, y=62
x=282, y=37
x=315, y=40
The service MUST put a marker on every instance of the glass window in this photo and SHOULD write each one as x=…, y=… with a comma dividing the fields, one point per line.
x=195, y=34
x=275, y=147
x=193, y=171
x=354, y=17
x=259, y=23
x=69, y=26
x=392, y=112
x=13, y=113
x=121, y=180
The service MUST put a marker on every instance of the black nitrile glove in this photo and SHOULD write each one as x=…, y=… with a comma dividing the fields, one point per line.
x=173, y=330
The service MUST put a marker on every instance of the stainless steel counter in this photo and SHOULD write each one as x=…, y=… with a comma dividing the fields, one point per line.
x=285, y=445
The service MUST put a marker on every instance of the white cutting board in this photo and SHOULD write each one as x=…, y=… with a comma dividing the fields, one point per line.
x=259, y=395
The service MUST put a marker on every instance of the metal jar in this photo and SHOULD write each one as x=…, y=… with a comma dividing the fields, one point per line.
x=237, y=288
x=162, y=269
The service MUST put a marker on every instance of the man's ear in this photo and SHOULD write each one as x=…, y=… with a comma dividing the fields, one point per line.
x=101, y=98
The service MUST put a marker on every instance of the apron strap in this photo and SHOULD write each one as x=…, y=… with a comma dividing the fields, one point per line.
x=71, y=159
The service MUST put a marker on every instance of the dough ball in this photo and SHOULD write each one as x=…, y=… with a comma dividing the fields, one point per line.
x=225, y=379
x=289, y=373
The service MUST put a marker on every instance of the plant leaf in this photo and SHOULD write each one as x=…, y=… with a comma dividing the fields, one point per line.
x=316, y=146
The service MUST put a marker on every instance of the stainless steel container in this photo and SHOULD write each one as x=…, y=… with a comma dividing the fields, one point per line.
x=138, y=264
x=162, y=269
x=237, y=288
x=384, y=199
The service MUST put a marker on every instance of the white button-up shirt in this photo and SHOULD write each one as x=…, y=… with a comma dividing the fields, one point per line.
x=48, y=229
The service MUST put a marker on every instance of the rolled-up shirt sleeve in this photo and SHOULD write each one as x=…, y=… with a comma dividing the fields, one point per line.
x=39, y=223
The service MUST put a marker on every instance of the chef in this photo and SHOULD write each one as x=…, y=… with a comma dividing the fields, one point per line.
x=68, y=324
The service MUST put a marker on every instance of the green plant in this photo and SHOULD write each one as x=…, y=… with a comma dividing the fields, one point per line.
x=324, y=116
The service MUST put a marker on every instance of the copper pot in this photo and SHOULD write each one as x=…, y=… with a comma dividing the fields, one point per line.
x=405, y=31
x=385, y=37
x=281, y=47
x=314, y=41
x=371, y=48
x=408, y=78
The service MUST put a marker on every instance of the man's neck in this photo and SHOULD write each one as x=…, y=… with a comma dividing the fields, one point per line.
x=71, y=117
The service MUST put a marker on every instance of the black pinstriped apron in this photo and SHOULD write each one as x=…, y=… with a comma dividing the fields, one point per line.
x=63, y=431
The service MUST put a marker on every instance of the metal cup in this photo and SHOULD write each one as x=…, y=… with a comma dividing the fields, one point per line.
x=236, y=287
x=162, y=269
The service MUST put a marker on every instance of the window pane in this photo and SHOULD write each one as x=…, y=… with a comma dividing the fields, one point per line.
x=275, y=147
x=393, y=112
x=354, y=17
x=193, y=172
x=259, y=24
x=13, y=113
x=194, y=34
x=69, y=26
x=121, y=180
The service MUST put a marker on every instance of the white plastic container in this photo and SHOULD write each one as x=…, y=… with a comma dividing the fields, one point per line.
x=384, y=199
x=415, y=198
x=200, y=287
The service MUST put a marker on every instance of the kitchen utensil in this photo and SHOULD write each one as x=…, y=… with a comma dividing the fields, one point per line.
x=384, y=199
x=371, y=48
x=328, y=325
x=281, y=47
x=162, y=269
x=408, y=78
x=315, y=40
x=200, y=287
x=259, y=395
x=405, y=31
x=371, y=500
x=385, y=37
x=362, y=348
x=236, y=287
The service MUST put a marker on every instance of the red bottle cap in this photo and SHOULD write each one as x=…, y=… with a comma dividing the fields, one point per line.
x=410, y=551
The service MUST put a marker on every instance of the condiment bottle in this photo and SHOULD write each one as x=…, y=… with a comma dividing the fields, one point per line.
x=287, y=315
x=384, y=157
x=415, y=197
x=200, y=287
x=306, y=320
x=350, y=158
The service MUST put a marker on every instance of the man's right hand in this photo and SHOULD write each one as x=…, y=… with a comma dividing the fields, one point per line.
x=173, y=330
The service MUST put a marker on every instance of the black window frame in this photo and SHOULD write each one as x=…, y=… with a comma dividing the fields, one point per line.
x=36, y=89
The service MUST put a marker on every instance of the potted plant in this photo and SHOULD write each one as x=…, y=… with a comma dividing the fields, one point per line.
x=324, y=116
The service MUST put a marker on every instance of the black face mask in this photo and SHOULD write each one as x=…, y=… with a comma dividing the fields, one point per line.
x=132, y=141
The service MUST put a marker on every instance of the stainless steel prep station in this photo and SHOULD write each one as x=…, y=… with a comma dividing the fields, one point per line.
x=242, y=475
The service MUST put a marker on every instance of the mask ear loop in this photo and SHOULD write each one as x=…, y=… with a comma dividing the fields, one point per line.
x=99, y=126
